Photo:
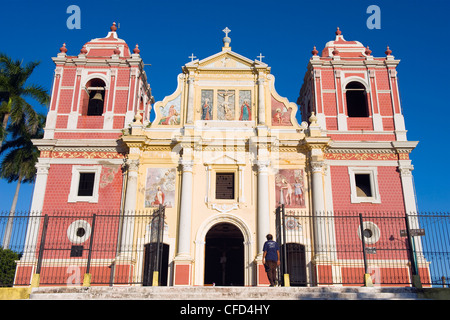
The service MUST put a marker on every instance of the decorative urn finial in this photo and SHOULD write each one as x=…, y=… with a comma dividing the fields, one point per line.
x=83, y=50
x=113, y=27
x=335, y=52
x=368, y=51
x=314, y=52
x=63, y=49
x=313, y=119
x=338, y=32
x=388, y=51
x=136, y=49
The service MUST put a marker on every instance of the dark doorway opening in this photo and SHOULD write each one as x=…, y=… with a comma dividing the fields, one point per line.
x=150, y=263
x=224, y=256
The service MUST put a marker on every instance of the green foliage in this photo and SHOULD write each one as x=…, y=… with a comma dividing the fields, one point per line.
x=8, y=260
x=13, y=91
x=20, y=153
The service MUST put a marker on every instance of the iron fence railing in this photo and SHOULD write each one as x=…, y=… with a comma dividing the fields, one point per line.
x=341, y=247
x=118, y=248
x=110, y=246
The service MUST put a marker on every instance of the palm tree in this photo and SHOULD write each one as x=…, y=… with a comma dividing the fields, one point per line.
x=19, y=161
x=14, y=90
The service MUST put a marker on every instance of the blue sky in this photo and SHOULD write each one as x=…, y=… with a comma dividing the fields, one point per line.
x=168, y=32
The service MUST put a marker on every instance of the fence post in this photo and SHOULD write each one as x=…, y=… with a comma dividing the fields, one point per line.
x=36, y=279
x=88, y=275
x=367, y=279
x=415, y=274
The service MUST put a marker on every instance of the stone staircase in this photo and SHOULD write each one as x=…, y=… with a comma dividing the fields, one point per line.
x=224, y=293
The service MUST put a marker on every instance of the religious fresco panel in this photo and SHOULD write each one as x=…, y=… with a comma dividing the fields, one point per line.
x=225, y=104
x=170, y=113
x=245, y=102
x=160, y=187
x=290, y=186
x=207, y=104
x=281, y=116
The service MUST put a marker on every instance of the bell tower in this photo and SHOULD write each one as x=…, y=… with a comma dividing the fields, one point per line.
x=355, y=99
x=352, y=92
x=99, y=90
x=96, y=96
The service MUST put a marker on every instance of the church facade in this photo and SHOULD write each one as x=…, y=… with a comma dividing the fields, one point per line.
x=222, y=153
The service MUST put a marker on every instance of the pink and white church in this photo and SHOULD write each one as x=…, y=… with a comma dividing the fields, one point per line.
x=220, y=153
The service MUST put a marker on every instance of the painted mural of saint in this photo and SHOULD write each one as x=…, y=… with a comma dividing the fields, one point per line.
x=286, y=189
x=289, y=188
x=246, y=112
x=160, y=187
x=171, y=118
x=298, y=191
x=206, y=110
x=159, y=197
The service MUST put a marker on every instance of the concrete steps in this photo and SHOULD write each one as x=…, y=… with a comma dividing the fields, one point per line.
x=224, y=293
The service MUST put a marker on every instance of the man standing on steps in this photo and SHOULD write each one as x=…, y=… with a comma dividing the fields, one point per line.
x=271, y=259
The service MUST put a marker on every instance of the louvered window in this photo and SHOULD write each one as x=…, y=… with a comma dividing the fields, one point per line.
x=225, y=185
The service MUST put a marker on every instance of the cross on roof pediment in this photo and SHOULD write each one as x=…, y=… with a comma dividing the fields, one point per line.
x=226, y=60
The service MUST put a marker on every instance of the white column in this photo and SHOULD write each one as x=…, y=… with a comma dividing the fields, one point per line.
x=318, y=200
x=263, y=218
x=36, y=209
x=261, y=102
x=190, y=106
x=184, y=225
x=129, y=207
x=317, y=186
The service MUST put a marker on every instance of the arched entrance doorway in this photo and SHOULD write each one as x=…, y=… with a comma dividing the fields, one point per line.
x=224, y=256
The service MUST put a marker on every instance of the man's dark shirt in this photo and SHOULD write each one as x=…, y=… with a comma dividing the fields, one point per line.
x=271, y=247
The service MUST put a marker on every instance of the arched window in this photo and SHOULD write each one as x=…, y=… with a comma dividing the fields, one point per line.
x=95, y=89
x=356, y=100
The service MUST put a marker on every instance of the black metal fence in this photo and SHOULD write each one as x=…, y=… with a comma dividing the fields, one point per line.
x=112, y=247
x=317, y=249
x=395, y=249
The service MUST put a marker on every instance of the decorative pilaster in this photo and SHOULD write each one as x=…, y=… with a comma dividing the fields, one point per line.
x=408, y=187
x=190, y=106
x=261, y=102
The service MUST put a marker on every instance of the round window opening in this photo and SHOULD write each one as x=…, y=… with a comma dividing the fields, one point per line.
x=79, y=231
x=371, y=232
x=368, y=233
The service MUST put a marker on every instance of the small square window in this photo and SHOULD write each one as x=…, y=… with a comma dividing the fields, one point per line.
x=363, y=188
x=364, y=185
x=86, y=184
x=225, y=186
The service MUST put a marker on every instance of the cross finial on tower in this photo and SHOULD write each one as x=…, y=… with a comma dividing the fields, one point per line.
x=260, y=57
x=227, y=31
x=192, y=57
